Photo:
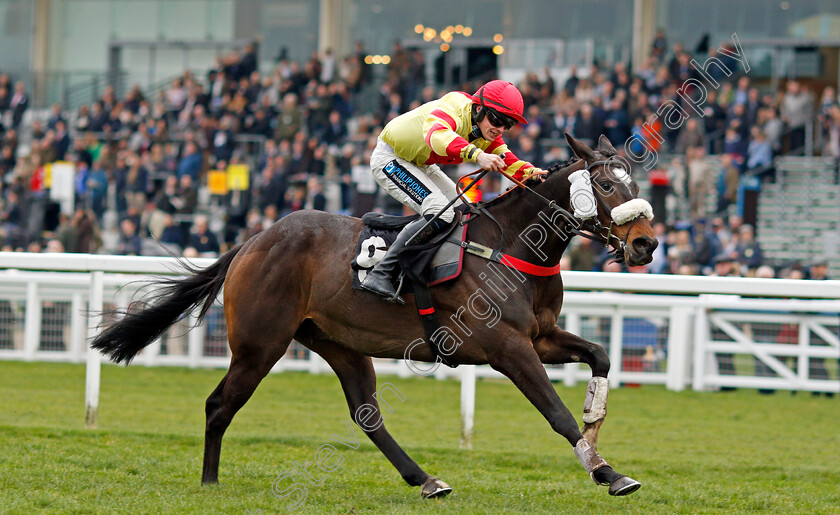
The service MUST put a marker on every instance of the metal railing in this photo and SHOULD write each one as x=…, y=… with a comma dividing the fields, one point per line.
x=70, y=89
x=677, y=331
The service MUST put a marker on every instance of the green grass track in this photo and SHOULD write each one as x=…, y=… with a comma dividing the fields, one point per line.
x=693, y=452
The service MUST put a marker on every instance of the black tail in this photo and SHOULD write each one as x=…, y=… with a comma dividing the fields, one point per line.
x=124, y=339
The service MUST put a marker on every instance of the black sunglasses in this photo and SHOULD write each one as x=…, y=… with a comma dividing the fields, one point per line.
x=497, y=119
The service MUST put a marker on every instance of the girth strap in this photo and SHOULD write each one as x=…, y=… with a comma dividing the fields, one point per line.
x=485, y=252
x=426, y=310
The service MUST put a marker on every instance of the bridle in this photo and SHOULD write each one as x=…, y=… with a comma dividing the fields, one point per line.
x=605, y=235
x=592, y=228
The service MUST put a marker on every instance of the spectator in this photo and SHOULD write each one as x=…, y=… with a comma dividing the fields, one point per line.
x=55, y=116
x=617, y=124
x=725, y=266
x=691, y=136
x=18, y=104
x=699, y=173
x=203, y=240
x=54, y=246
x=187, y=195
x=61, y=143
x=258, y=124
x=89, y=239
x=271, y=187
x=832, y=129
x=315, y=198
x=144, y=146
x=759, y=152
x=818, y=270
x=97, y=118
x=172, y=234
x=749, y=251
x=336, y=130
x=587, y=126
x=773, y=127
x=289, y=119
x=735, y=145
x=191, y=162
x=680, y=252
x=714, y=120
x=706, y=245
x=67, y=234
x=129, y=244
x=765, y=272
x=223, y=141
x=582, y=255
x=660, y=255
x=752, y=107
x=7, y=160
x=5, y=98
x=727, y=182
x=797, y=111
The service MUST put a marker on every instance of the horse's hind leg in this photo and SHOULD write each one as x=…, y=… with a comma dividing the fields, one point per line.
x=358, y=380
x=246, y=371
x=560, y=346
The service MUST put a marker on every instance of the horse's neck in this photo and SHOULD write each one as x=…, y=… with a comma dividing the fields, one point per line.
x=533, y=231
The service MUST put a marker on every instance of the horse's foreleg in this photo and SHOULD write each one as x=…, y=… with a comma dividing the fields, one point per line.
x=559, y=347
x=358, y=380
x=524, y=368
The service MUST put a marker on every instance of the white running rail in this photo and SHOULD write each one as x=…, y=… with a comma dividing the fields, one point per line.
x=677, y=331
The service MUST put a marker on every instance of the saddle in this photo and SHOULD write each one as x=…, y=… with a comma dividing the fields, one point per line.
x=430, y=264
x=422, y=266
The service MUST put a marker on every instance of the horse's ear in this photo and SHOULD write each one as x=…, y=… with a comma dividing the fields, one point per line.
x=605, y=147
x=580, y=149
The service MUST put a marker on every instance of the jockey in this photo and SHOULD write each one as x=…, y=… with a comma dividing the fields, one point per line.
x=457, y=127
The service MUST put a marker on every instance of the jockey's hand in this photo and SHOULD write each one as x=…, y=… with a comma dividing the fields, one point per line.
x=539, y=174
x=490, y=162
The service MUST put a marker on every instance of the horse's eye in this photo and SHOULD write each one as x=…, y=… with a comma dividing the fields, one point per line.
x=606, y=186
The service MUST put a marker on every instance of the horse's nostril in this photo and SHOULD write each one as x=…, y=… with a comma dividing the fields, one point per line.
x=644, y=244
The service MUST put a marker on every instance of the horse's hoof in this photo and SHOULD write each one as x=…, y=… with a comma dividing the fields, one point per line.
x=624, y=486
x=434, y=487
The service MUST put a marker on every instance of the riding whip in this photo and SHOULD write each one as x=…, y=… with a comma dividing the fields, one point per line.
x=447, y=206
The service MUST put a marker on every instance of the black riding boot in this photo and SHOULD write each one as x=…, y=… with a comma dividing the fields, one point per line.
x=380, y=279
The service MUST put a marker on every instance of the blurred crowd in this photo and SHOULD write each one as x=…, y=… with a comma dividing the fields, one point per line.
x=142, y=160
x=718, y=248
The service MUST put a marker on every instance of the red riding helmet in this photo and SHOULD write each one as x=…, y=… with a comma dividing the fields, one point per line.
x=503, y=97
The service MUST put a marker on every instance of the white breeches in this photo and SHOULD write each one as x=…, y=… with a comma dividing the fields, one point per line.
x=425, y=189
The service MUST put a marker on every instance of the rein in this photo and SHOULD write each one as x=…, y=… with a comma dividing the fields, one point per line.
x=593, y=229
x=599, y=233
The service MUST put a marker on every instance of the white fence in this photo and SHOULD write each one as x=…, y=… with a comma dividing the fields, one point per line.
x=673, y=330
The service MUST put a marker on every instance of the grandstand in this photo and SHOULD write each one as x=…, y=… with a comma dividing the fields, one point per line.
x=134, y=98
x=799, y=215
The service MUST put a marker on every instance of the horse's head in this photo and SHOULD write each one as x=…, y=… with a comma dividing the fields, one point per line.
x=622, y=218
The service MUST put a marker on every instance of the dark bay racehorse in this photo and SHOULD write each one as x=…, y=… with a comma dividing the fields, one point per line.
x=293, y=280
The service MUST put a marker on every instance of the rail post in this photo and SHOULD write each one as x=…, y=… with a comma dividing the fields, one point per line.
x=94, y=365
x=678, y=348
x=701, y=334
x=467, y=405
x=32, y=322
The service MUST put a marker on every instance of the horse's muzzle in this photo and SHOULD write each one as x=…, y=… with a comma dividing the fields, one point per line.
x=640, y=250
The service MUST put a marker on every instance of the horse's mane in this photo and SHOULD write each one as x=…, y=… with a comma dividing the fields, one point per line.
x=507, y=195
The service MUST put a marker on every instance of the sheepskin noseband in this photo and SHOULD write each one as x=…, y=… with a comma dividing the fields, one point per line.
x=630, y=210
